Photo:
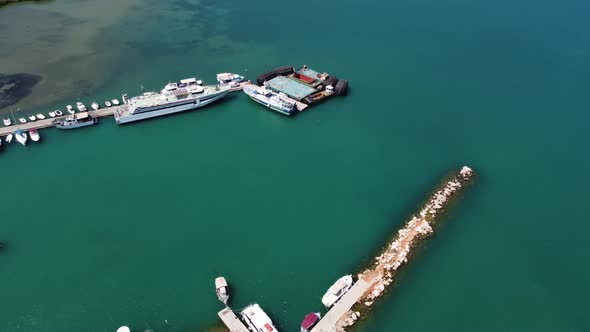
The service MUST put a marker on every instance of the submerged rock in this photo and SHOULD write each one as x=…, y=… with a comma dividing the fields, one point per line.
x=14, y=87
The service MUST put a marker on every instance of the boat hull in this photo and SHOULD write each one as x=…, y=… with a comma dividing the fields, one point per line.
x=171, y=110
x=77, y=125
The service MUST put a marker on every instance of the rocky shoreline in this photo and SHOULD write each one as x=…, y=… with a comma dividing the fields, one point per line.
x=380, y=274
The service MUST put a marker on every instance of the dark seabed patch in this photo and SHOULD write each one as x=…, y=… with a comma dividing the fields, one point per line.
x=14, y=87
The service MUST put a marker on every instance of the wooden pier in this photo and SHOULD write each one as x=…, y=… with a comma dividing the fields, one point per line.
x=46, y=123
x=233, y=323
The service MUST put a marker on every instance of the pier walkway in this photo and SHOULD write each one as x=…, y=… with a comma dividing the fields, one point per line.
x=46, y=123
x=329, y=322
x=233, y=323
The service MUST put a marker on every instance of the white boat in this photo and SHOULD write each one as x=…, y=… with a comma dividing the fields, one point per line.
x=32, y=118
x=115, y=101
x=107, y=103
x=40, y=116
x=81, y=107
x=58, y=113
x=275, y=101
x=94, y=105
x=123, y=329
x=221, y=289
x=257, y=320
x=21, y=137
x=22, y=120
x=229, y=78
x=7, y=122
x=9, y=138
x=337, y=290
x=34, y=135
x=52, y=114
x=70, y=109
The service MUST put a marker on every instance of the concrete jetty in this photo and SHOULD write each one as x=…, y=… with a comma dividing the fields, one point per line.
x=233, y=323
x=46, y=123
x=373, y=281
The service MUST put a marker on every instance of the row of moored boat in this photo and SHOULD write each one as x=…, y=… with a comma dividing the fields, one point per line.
x=21, y=137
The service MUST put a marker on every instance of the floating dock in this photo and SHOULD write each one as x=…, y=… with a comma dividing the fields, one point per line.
x=233, y=323
x=46, y=123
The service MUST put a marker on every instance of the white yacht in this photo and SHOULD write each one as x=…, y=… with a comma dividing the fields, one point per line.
x=115, y=101
x=94, y=105
x=229, y=78
x=52, y=114
x=21, y=137
x=34, y=135
x=70, y=109
x=107, y=103
x=257, y=320
x=337, y=290
x=81, y=107
x=7, y=122
x=9, y=138
x=58, y=113
x=22, y=120
x=40, y=116
x=32, y=117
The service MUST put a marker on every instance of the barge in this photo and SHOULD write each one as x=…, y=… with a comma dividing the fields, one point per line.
x=301, y=87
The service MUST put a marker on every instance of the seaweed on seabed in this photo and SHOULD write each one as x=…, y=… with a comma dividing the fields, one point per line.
x=2, y=246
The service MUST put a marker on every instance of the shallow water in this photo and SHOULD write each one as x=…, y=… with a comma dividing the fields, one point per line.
x=129, y=225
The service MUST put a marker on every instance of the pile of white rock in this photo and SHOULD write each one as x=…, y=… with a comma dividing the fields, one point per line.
x=350, y=318
x=397, y=252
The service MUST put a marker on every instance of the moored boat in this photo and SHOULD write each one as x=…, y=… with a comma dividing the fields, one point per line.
x=107, y=103
x=337, y=290
x=58, y=113
x=35, y=137
x=22, y=120
x=275, y=101
x=81, y=107
x=75, y=121
x=257, y=320
x=40, y=116
x=94, y=105
x=310, y=321
x=229, y=78
x=115, y=101
x=221, y=289
x=32, y=117
x=21, y=136
x=52, y=114
x=1, y=144
x=9, y=138
x=7, y=122
x=70, y=109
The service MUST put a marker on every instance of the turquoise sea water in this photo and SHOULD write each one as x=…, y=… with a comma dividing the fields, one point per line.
x=111, y=226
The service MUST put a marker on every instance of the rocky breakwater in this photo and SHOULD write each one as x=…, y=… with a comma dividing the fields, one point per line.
x=396, y=253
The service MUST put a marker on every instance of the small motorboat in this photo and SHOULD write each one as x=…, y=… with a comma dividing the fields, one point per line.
x=107, y=103
x=1, y=145
x=22, y=120
x=81, y=107
x=52, y=114
x=94, y=105
x=123, y=329
x=221, y=289
x=7, y=122
x=310, y=321
x=115, y=101
x=34, y=135
x=125, y=98
x=32, y=118
x=58, y=113
x=70, y=109
x=40, y=116
x=337, y=290
x=21, y=137
x=9, y=138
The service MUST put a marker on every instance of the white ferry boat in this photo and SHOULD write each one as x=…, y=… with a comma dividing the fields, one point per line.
x=257, y=320
x=275, y=101
x=174, y=98
x=337, y=290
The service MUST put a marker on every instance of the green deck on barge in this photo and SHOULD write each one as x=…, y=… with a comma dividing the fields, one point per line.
x=290, y=87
